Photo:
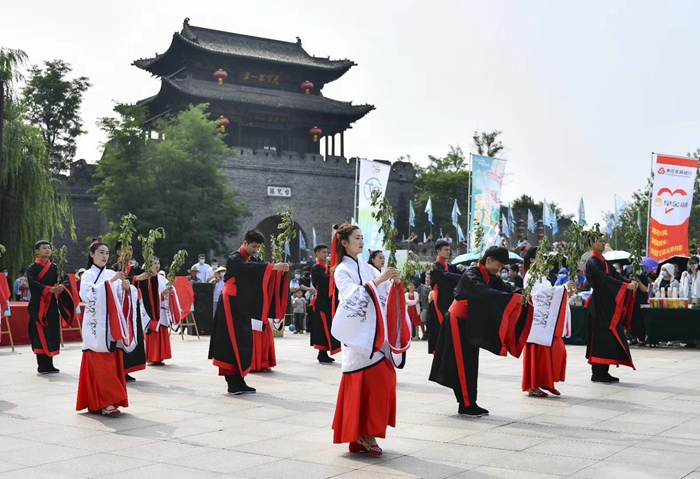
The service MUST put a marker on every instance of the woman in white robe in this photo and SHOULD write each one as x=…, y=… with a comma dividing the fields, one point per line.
x=109, y=329
x=372, y=324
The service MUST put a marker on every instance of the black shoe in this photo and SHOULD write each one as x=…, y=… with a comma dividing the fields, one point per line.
x=42, y=371
x=245, y=389
x=54, y=370
x=613, y=379
x=332, y=359
x=607, y=379
x=323, y=357
x=472, y=411
x=129, y=378
x=234, y=389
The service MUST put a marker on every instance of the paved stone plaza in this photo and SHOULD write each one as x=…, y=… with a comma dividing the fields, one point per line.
x=181, y=422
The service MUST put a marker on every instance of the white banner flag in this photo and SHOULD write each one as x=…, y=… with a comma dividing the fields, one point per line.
x=373, y=176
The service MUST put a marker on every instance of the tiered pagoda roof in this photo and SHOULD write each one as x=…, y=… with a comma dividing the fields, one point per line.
x=259, y=97
x=268, y=91
x=192, y=40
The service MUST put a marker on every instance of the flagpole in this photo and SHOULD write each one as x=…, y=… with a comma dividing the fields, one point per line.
x=469, y=207
x=357, y=187
x=651, y=191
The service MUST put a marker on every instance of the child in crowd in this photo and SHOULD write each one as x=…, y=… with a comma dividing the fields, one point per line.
x=299, y=304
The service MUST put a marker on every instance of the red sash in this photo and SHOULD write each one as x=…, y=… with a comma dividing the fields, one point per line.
x=45, y=302
x=436, y=292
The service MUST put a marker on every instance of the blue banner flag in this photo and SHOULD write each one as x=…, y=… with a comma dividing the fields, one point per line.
x=286, y=249
x=511, y=218
x=506, y=228
x=487, y=179
x=555, y=223
x=620, y=206
x=546, y=214
x=609, y=225
x=531, y=225
x=460, y=234
x=581, y=213
x=425, y=238
x=639, y=220
x=302, y=241
x=411, y=214
x=313, y=232
x=455, y=213
x=429, y=210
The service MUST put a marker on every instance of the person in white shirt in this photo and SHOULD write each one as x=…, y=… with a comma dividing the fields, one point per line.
x=690, y=280
x=202, y=268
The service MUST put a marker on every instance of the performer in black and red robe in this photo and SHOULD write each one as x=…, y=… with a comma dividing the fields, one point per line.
x=135, y=360
x=609, y=309
x=443, y=279
x=44, y=321
x=245, y=305
x=485, y=314
x=322, y=308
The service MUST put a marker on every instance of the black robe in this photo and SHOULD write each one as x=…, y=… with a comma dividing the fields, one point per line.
x=44, y=332
x=444, y=278
x=485, y=314
x=609, y=309
x=135, y=360
x=248, y=294
x=322, y=311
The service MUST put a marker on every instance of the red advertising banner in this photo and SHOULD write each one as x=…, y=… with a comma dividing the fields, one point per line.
x=672, y=197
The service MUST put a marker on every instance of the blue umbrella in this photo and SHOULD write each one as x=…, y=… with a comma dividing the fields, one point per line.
x=468, y=257
x=649, y=264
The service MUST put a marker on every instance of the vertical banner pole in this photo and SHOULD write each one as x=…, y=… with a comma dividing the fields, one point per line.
x=651, y=191
x=469, y=207
x=355, y=204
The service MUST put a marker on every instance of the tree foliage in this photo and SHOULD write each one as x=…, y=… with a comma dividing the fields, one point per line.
x=443, y=180
x=30, y=205
x=53, y=105
x=181, y=176
x=487, y=143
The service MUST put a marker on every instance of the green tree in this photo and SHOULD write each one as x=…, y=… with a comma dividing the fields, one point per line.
x=30, y=205
x=487, y=143
x=181, y=176
x=53, y=104
x=443, y=180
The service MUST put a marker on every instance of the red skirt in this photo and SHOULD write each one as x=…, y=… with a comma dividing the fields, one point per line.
x=101, y=381
x=264, y=356
x=158, y=345
x=543, y=366
x=414, y=316
x=366, y=403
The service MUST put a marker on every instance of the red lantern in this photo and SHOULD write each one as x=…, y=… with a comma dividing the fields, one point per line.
x=316, y=132
x=220, y=75
x=307, y=86
x=222, y=121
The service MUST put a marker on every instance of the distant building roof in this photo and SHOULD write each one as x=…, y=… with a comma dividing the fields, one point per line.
x=245, y=46
x=229, y=92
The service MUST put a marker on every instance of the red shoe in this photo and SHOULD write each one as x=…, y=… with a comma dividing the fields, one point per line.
x=364, y=446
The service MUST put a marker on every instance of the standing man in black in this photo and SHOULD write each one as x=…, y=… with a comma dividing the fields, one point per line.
x=321, y=337
x=444, y=278
x=44, y=319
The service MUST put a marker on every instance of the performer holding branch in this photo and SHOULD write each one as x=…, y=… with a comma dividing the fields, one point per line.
x=44, y=321
x=375, y=333
x=485, y=314
x=443, y=279
x=109, y=329
x=245, y=305
x=610, y=307
x=544, y=357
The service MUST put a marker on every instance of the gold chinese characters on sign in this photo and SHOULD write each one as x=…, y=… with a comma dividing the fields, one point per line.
x=261, y=78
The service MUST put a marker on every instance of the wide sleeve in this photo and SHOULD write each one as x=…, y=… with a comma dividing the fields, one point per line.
x=36, y=287
x=359, y=319
x=90, y=284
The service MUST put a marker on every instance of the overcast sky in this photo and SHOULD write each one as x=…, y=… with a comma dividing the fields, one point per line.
x=584, y=92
